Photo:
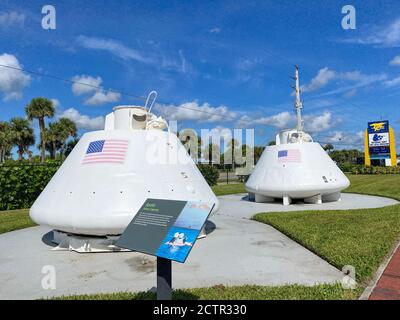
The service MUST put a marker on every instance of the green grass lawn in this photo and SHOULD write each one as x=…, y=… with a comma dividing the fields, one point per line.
x=14, y=220
x=292, y=292
x=380, y=185
x=224, y=189
x=361, y=238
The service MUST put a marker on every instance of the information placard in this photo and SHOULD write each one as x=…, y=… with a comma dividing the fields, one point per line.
x=166, y=228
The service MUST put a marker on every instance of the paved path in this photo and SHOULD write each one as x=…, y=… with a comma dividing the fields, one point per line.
x=237, y=206
x=388, y=286
x=238, y=251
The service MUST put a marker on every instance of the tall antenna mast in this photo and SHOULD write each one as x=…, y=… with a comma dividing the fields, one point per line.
x=298, y=104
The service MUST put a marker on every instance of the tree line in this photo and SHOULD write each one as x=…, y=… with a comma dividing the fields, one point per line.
x=18, y=132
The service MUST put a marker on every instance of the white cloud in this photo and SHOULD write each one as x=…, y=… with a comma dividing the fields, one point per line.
x=56, y=103
x=386, y=36
x=219, y=132
x=346, y=139
x=318, y=123
x=152, y=55
x=244, y=122
x=393, y=82
x=323, y=77
x=335, y=136
x=281, y=120
x=358, y=76
x=114, y=47
x=83, y=121
x=313, y=123
x=357, y=79
x=101, y=97
x=196, y=112
x=395, y=61
x=85, y=85
x=11, y=19
x=247, y=64
x=350, y=94
x=179, y=64
x=215, y=30
x=12, y=82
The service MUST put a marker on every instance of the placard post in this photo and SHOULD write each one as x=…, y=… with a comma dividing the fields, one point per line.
x=164, y=279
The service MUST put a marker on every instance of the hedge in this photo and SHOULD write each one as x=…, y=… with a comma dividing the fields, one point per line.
x=361, y=169
x=210, y=173
x=376, y=170
x=20, y=185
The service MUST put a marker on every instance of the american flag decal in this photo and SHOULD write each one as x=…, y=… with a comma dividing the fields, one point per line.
x=292, y=155
x=106, y=151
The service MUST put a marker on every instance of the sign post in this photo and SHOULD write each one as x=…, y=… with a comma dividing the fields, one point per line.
x=167, y=229
x=164, y=279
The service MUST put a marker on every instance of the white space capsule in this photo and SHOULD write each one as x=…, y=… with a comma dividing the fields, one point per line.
x=110, y=173
x=296, y=168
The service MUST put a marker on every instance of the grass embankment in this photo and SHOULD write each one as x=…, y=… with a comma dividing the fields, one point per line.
x=361, y=238
x=14, y=220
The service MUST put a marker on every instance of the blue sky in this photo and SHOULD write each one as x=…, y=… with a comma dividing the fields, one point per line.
x=233, y=59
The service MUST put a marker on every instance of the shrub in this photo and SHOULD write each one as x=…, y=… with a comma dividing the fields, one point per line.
x=210, y=173
x=360, y=169
x=20, y=185
x=243, y=178
x=347, y=167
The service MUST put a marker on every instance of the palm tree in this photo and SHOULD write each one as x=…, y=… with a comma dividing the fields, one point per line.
x=6, y=140
x=57, y=135
x=187, y=137
x=329, y=147
x=258, y=151
x=67, y=129
x=52, y=139
x=212, y=154
x=70, y=146
x=23, y=135
x=231, y=147
x=40, y=108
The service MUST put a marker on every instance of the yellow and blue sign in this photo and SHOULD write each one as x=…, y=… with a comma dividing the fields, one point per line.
x=380, y=142
x=378, y=137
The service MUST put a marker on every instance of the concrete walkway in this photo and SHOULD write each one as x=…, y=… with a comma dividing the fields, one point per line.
x=237, y=251
x=237, y=205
